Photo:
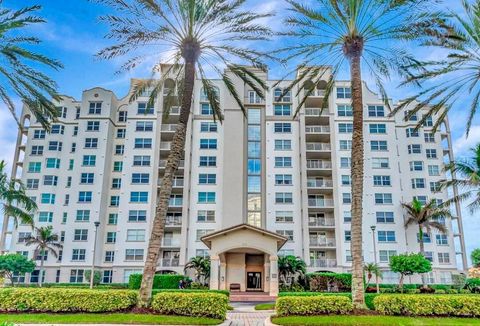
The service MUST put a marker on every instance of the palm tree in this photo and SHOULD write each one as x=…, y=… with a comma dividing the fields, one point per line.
x=290, y=267
x=196, y=36
x=201, y=266
x=372, y=269
x=468, y=179
x=350, y=35
x=45, y=241
x=16, y=204
x=455, y=77
x=19, y=78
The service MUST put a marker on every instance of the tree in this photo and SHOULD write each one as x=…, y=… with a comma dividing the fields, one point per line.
x=193, y=36
x=372, y=269
x=201, y=267
x=45, y=242
x=16, y=204
x=290, y=267
x=19, y=73
x=409, y=264
x=14, y=265
x=97, y=276
x=475, y=255
x=375, y=34
x=466, y=175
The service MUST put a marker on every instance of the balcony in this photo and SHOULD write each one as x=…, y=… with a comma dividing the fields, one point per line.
x=163, y=163
x=314, y=203
x=317, y=133
x=318, y=150
x=169, y=127
x=323, y=263
x=322, y=242
x=173, y=221
x=321, y=222
x=177, y=182
x=165, y=146
x=315, y=116
x=169, y=262
x=175, y=202
x=169, y=242
x=319, y=186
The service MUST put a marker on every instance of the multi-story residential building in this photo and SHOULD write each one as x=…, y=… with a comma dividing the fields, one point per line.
x=249, y=189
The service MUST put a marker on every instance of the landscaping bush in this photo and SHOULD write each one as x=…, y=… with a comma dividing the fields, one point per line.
x=76, y=285
x=313, y=305
x=434, y=305
x=312, y=294
x=473, y=284
x=440, y=291
x=65, y=300
x=224, y=292
x=427, y=290
x=369, y=297
x=412, y=291
x=330, y=282
x=452, y=291
x=214, y=305
x=161, y=281
x=465, y=291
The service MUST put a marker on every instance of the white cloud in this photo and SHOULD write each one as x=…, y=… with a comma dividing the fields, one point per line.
x=462, y=145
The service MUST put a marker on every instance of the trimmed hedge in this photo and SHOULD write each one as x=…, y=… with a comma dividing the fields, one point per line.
x=326, y=282
x=75, y=285
x=224, y=292
x=313, y=294
x=428, y=305
x=65, y=300
x=160, y=281
x=313, y=305
x=214, y=305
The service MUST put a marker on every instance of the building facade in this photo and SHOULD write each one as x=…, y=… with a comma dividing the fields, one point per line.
x=248, y=190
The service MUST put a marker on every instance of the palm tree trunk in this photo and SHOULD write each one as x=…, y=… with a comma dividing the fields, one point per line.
x=400, y=284
x=176, y=154
x=41, y=268
x=422, y=250
x=357, y=183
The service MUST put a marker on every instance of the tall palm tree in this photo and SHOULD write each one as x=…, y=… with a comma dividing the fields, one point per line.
x=195, y=36
x=201, y=266
x=372, y=269
x=467, y=177
x=291, y=267
x=19, y=73
x=456, y=76
x=45, y=241
x=355, y=35
x=14, y=200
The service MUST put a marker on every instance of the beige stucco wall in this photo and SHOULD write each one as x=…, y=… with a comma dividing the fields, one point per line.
x=235, y=270
x=244, y=238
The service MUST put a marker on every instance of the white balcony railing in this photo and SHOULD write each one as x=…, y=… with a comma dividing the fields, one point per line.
x=322, y=242
x=314, y=112
x=168, y=242
x=163, y=163
x=318, y=183
x=177, y=182
x=174, y=110
x=321, y=221
x=175, y=202
x=173, y=221
x=317, y=129
x=319, y=164
x=165, y=145
x=169, y=262
x=169, y=127
x=319, y=147
x=318, y=93
x=323, y=263
x=319, y=202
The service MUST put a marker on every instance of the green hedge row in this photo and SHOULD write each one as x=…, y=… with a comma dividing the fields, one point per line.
x=214, y=305
x=428, y=305
x=224, y=292
x=161, y=281
x=313, y=305
x=75, y=285
x=324, y=282
x=65, y=300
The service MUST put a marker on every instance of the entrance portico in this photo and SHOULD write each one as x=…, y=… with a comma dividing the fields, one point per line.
x=244, y=256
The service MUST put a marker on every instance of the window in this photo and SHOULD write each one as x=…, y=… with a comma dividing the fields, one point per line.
x=429, y=256
x=411, y=132
x=344, y=110
x=416, y=166
x=283, y=144
x=386, y=236
x=111, y=237
x=206, y=197
x=344, y=92
x=76, y=276
x=380, y=163
x=428, y=122
x=346, y=198
x=386, y=255
x=348, y=236
x=205, y=109
x=69, y=182
x=109, y=256
x=45, y=217
x=202, y=253
x=429, y=137
x=444, y=258
x=283, y=162
x=347, y=216
x=83, y=215
x=283, y=179
x=348, y=255
x=140, y=178
x=286, y=233
x=128, y=272
x=414, y=149
x=107, y=276
x=55, y=146
x=89, y=160
x=133, y=254
x=85, y=196
x=80, y=235
x=112, y=219
x=208, y=161
x=345, y=128
x=117, y=166
x=208, y=143
x=207, y=179
x=47, y=198
x=431, y=153
x=376, y=111
x=418, y=183
x=95, y=108
x=141, y=160
x=122, y=116
x=57, y=129
x=32, y=183
x=91, y=142
x=345, y=145
x=435, y=186
x=139, y=197
x=433, y=170
x=119, y=149
x=383, y=198
x=385, y=217
x=144, y=126
x=382, y=180
x=86, y=178
x=39, y=134
x=37, y=150
x=205, y=216
x=143, y=108
x=74, y=147
x=208, y=127
x=136, y=235
x=201, y=233
x=283, y=216
x=121, y=133
x=282, y=110
x=378, y=128
x=93, y=125
x=23, y=236
x=75, y=130
x=345, y=162
x=441, y=239
x=410, y=116
x=283, y=127
x=116, y=183
x=143, y=143
x=78, y=254
x=287, y=95
x=378, y=145
x=35, y=167
x=283, y=198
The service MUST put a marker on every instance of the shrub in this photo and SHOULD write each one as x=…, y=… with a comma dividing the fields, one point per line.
x=312, y=294
x=369, y=297
x=427, y=290
x=465, y=291
x=212, y=305
x=330, y=282
x=452, y=291
x=313, y=305
x=472, y=283
x=161, y=281
x=412, y=291
x=440, y=291
x=435, y=305
x=66, y=300
x=224, y=292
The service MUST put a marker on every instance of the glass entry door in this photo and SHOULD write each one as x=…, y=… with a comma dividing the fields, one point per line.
x=254, y=281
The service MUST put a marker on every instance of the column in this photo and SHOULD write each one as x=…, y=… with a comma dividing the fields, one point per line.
x=223, y=275
x=266, y=272
x=214, y=272
x=273, y=276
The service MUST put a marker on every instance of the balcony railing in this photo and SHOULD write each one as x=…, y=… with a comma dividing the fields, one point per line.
x=314, y=112
x=318, y=93
x=319, y=147
x=177, y=182
x=173, y=221
x=165, y=145
x=321, y=221
x=174, y=110
x=317, y=129
x=169, y=262
x=163, y=163
x=323, y=263
x=320, y=202
x=175, y=202
x=171, y=242
x=169, y=127
x=316, y=183
x=319, y=164
x=322, y=242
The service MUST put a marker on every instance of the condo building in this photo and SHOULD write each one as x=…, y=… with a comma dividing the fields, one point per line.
x=248, y=190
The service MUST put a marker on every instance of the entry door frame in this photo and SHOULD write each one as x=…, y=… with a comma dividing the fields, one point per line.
x=261, y=282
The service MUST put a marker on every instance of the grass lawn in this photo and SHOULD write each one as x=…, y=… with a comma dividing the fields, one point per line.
x=372, y=320
x=265, y=306
x=102, y=318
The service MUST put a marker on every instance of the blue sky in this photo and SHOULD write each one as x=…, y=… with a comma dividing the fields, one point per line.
x=73, y=35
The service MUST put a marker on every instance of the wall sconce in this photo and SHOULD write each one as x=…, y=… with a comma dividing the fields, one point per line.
x=222, y=278
x=268, y=278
